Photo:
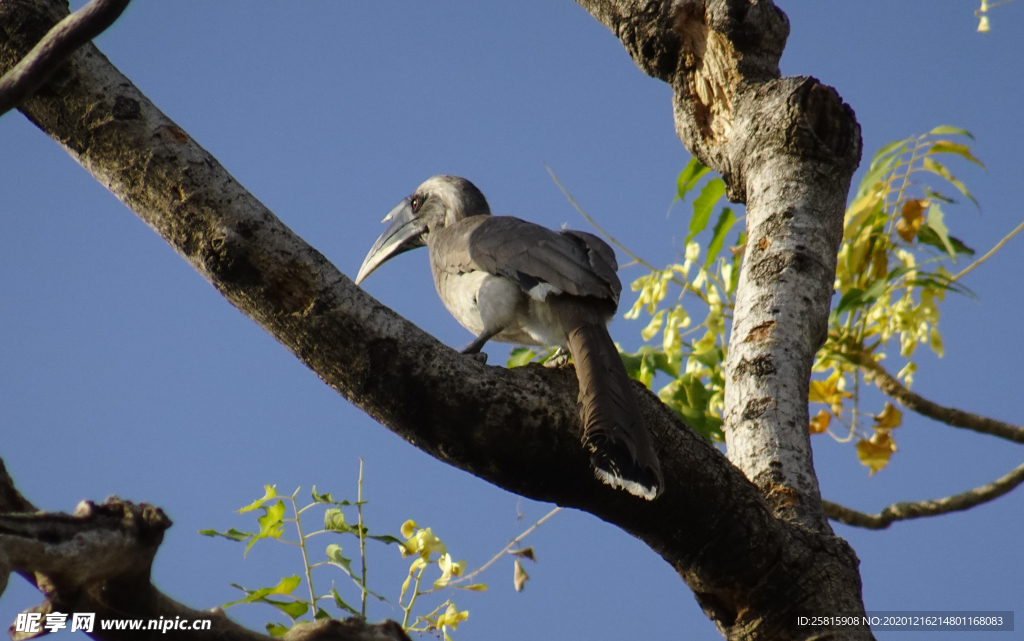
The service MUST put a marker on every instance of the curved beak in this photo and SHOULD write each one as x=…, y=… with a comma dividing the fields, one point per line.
x=405, y=233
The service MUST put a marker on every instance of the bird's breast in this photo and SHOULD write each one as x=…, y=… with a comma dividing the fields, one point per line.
x=484, y=302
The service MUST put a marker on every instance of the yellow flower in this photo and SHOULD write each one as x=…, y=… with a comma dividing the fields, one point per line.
x=420, y=541
x=408, y=528
x=448, y=570
x=452, y=617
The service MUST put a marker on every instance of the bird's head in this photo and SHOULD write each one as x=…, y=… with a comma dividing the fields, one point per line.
x=437, y=203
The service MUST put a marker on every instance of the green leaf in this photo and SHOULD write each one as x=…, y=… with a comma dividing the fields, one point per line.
x=950, y=147
x=936, y=222
x=231, y=534
x=937, y=168
x=946, y=130
x=520, y=356
x=850, y=300
x=887, y=150
x=384, y=538
x=277, y=630
x=327, y=498
x=689, y=391
x=897, y=273
x=710, y=358
x=931, y=280
x=689, y=176
x=927, y=236
x=654, y=326
x=269, y=492
x=322, y=498
x=875, y=174
x=875, y=290
x=293, y=609
x=340, y=603
x=337, y=558
x=711, y=428
x=271, y=526
x=321, y=614
x=702, y=206
x=725, y=221
x=931, y=194
x=741, y=241
x=334, y=520
x=285, y=586
x=650, y=359
x=688, y=397
x=379, y=597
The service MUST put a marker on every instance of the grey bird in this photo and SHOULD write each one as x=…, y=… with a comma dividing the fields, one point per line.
x=513, y=281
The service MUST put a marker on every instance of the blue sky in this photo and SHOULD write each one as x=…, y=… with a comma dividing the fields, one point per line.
x=126, y=373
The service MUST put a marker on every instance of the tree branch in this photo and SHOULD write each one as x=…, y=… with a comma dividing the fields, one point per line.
x=62, y=40
x=948, y=415
x=99, y=560
x=751, y=572
x=918, y=509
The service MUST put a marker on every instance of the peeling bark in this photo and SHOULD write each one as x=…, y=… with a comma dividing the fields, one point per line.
x=756, y=554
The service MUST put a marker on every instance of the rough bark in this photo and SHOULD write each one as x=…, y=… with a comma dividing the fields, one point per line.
x=757, y=554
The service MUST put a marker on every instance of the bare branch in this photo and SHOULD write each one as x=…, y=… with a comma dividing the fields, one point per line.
x=508, y=547
x=935, y=507
x=62, y=40
x=990, y=252
x=948, y=415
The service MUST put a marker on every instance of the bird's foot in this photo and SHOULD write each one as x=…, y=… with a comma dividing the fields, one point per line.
x=480, y=357
x=559, y=359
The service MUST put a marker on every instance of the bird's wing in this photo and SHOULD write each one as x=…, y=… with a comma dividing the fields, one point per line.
x=572, y=262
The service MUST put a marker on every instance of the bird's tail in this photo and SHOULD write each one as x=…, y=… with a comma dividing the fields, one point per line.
x=613, y=430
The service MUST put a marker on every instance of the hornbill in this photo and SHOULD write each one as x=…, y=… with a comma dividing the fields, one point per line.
x=513, y=281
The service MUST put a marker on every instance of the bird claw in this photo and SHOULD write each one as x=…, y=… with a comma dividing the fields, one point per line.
x=559, y=359
x=480, y=357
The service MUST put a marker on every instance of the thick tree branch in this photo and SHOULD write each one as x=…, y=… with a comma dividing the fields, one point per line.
x=753, y=573
x=99, y=560
x=948, y=415
x=917, y=509
x=63, y=39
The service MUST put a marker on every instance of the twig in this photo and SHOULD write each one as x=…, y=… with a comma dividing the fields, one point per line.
x=948, y=415
x=362, y=536
x=989, y=253
x=305, y=556
x=509, y=546
x=636, y=259
x=56, y=46
x=919, y=509
x=596, y=226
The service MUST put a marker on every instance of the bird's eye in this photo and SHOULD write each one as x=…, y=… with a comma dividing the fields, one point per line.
x=415, y=204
